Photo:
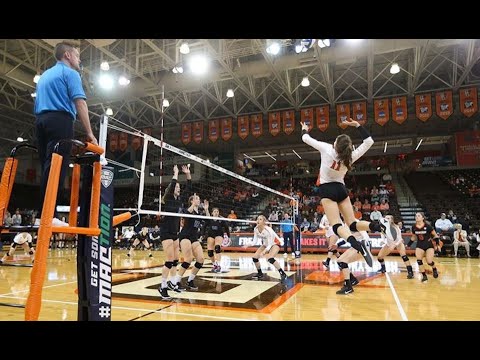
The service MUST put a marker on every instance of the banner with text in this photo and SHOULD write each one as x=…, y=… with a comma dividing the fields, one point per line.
x=323, y=117
x=274, y=123
x=468, y=101
x=226, y=128
x=399, y=109
x=444, y=104
x=423, y=106
x=468, y=148
x=288, y=121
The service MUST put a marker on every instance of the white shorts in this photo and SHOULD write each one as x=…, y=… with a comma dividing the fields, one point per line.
x=22, y=238
x=330, y=233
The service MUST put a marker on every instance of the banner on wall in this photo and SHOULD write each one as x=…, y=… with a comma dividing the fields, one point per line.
x=343, y=114
x=323, y=117
x=226, y=128
x=399, y=109
x=468, y=101
x=306, y=116
x=359, y=110
x=186, y=133
x=213, y=130
x=198, y=131
x=257, y=124
x=274, y=123
x=444, y=104
x=423, y=106
x=382, y=112
x=288, y=121
x=243, y=126
x=468, y=148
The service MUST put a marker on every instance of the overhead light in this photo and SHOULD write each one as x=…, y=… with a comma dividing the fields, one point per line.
x=105, y=66
x=109, y=112
x=419, y=143
x=395, y=69
x=166, y=103
x=230, y=93
x=178, y=69
x=198, y=64
x=184, y=48
x=106, y=82
x=385, y=149
x=33, y=95
x=378, y=168
x=20, y=139
x=123, y=80
x=354, y=41
x=36, y=78
x=152, y=174
x=305, y=82
x=323, y=43
x=307, y=171
x=273, y=48
x=70, y=165
x=296, y=154
x=248, y=157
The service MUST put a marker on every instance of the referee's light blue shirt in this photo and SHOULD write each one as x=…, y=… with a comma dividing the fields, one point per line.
x=57, y=89
x=286, y=228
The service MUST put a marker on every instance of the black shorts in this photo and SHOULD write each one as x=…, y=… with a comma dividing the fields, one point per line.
x=168, y=236
x=190, y=236
x=425, y=244
x=334, y=191
x=214, y=234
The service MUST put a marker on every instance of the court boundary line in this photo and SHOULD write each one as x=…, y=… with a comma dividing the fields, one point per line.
x=397, y=300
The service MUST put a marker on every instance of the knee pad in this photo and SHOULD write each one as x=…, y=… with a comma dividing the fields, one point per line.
x=30, y=252
x=335, y=228
x=255, y=260
x=185, y=265
x=334, y=252
x=14, y=245
x=168, y=264
x=217, y=249
x=432, y=263
x=381, y=261
x=210, y=253
x=405, y=258
x=419, y=262
x=198, y=265
x=271, y=260
x=342, y=265
x=353, y=226
x=175, y=263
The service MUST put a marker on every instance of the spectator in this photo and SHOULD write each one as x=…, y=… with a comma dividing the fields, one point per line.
x=375, y=215
x=305, y=225
x=7, y=220
x=17, y=218
x=452, y=217
x=402, y=227
x=232, y=215
x=460, y=238
x=443, y=224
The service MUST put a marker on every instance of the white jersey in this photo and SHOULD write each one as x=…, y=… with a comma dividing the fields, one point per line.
x=393, y=236
x=324, y=224
x=267, y=236
x=331, y=169
x=22, y=238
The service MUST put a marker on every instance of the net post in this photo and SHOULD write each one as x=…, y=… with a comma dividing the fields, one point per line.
x=142, y=173
x=102, y=138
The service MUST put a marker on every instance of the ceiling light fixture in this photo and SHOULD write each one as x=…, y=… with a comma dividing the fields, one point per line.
x=305, y=82
x=230, y=93
x=395, y=69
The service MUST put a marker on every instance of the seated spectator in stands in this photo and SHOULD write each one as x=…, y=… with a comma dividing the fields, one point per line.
x=357, y=213
x=232, y=215
x=366, y=207
x=443, y=224
x=390, y=187
x=384, y=206
x=374, y=196
x=452, y=217
x=305, y=225
x=375, y=215
x=402, y=227
x=357, y=203
x=7, y=219
x=476, y=236
x=273, y=216
x=375, y=206
x=460, y=238
x=383, y=193
x=17, y=218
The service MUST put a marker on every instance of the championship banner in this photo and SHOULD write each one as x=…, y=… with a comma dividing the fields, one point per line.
x=243, y=128
x=226, y=128
x=288, y=121
x=323, y=117
x=112, y=142
x=468, y=101
x=306, y=116
x=123, y=141
x=257, y=124
x=198, y=131
x=382, y=112
x=213, y=130
x=444, y=104
x=186, y=133
x=468, y=148
x=359, y=110
x=423, y=106
x=399, y=109
x=274, y=123
x=343, y=114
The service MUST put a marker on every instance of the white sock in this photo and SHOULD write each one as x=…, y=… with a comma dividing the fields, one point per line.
x=191, y=277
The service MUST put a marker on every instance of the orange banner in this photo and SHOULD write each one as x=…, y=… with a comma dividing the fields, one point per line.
x=213, y=130
x=423, y=106
x=444, y=104
x=399, y=109
x=343, y=114
x=306, y=116
x=113, y=142
x=198, y=131
x=186, y=133
x=288, y=121
x=257, y=124
x=382, y=112
x=359, y=110
x=468, y=101
x=243, y=126
x=323, y=117
x=226, y=128
x=123, y=141
x=274, y=123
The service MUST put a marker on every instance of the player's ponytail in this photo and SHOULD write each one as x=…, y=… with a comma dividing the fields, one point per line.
x=343, y=147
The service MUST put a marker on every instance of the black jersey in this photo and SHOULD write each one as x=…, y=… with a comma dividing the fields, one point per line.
x=423, y=233
x=191, y=226
x=155, y=235
x=215, y=228
x=140, y=236
x=171, y=224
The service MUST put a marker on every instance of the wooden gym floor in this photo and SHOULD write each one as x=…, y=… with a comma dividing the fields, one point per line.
x=308, y=293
